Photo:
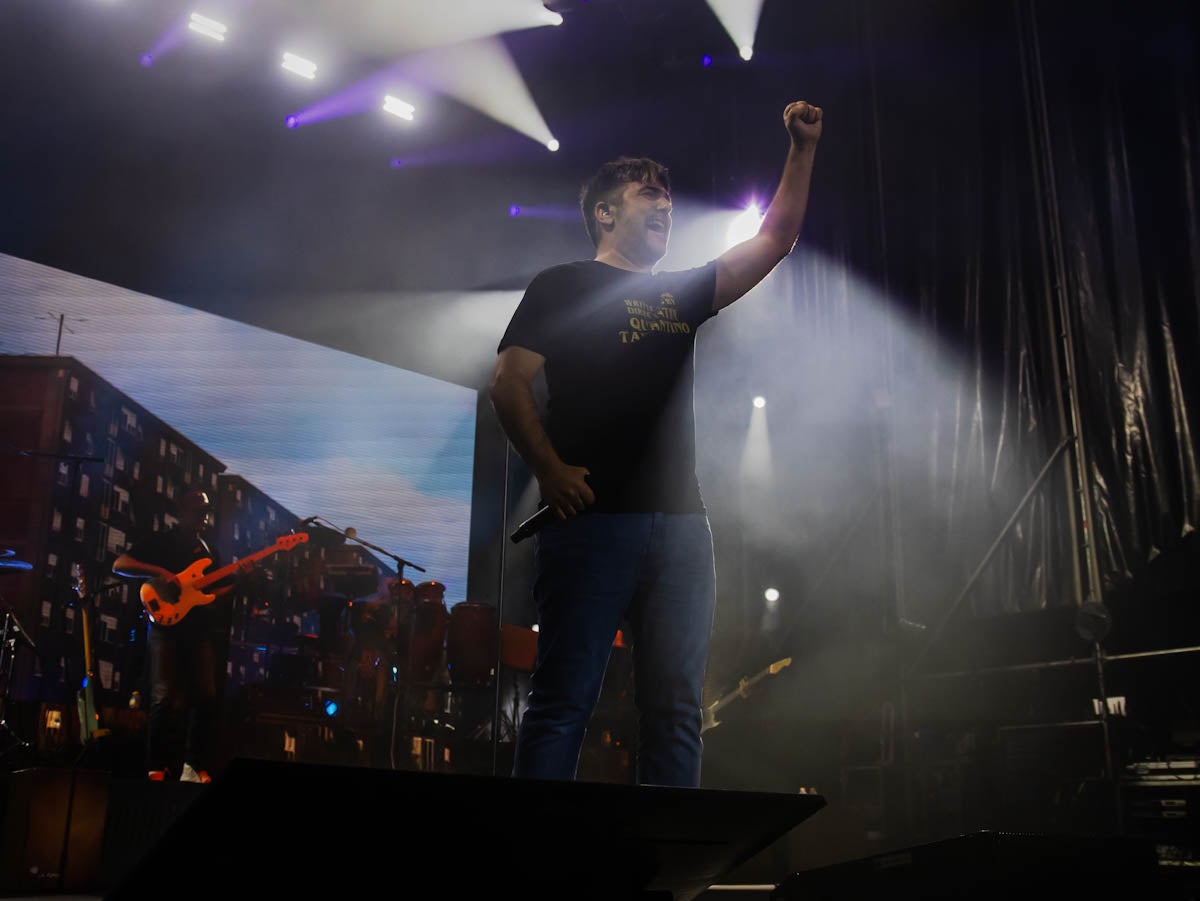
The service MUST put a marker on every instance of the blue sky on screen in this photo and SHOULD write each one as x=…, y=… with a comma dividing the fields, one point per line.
x=363, y=444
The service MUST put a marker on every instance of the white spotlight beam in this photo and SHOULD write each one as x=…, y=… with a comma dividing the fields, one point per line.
x=483, y=75
x=375, y=28
x=744, y=227
x=740, y=20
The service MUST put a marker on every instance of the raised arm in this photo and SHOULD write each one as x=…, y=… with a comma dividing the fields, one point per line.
x=745, y=265
x=563, y=487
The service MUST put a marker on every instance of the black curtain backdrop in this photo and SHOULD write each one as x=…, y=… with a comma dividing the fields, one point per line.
x=999, y=279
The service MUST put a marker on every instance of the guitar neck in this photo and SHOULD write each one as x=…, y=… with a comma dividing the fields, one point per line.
x=753, y=680
x=226, y=571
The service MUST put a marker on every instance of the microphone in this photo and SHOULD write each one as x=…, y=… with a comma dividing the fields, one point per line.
x=531, y=525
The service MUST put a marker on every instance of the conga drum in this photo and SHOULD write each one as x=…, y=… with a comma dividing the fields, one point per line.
x=471, y=644
x=429, y=619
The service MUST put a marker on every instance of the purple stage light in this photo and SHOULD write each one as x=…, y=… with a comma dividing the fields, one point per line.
x=557, y=213
x=706, y=60
x=397, y=163
x=291, y=121
x=166, y=42
x=360, y=97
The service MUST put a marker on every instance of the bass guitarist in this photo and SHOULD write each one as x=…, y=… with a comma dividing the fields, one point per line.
x=181, y=658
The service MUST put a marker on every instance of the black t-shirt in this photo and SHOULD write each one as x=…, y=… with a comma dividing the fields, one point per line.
x=175, y=551
x=619, y=349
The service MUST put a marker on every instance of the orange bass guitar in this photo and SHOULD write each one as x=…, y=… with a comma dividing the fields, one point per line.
x=169, y=601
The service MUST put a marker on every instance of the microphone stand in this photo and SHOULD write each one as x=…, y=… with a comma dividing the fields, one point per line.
x=352, y=535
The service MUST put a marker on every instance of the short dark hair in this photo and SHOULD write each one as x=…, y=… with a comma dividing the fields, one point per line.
x=612, y=177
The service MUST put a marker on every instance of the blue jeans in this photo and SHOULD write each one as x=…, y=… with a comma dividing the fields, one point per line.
x=591, y=572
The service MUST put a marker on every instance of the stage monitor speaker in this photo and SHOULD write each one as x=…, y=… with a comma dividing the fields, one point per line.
x=988, y=866
x=287, y=829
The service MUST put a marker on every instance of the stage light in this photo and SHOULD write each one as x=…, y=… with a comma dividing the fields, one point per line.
x=147, y=60
x=398, y=107
x=552, y=145
x=772, y=595
x=299, y=65
x=331, y=708
x=744, y=227
x=706, y=61
x=760, y=402
x=740, y=21
x=291, y=121
x=514, y=211
x=396, y=163
x=210, y=28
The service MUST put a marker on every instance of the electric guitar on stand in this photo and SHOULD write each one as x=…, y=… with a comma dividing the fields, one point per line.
x=85, y=699
x=710, y=712
x=167, y=601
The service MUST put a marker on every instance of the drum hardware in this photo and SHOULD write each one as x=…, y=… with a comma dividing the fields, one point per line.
x=10, y=633
x=402, y=703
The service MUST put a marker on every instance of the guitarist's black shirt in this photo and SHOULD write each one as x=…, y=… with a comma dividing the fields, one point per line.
x=176, y=551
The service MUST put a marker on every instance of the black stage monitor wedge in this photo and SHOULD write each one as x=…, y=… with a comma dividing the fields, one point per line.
x=282, y=829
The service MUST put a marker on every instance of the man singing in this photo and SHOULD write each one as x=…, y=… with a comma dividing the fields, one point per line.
x=615, y=460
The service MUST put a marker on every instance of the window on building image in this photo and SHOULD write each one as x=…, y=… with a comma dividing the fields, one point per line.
x=56, y=521
x=83, y=485
x=66, y=431
x=137, y=470
x=73, y=388
x=64, y=473
x=158, y=484
x=80, y=528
